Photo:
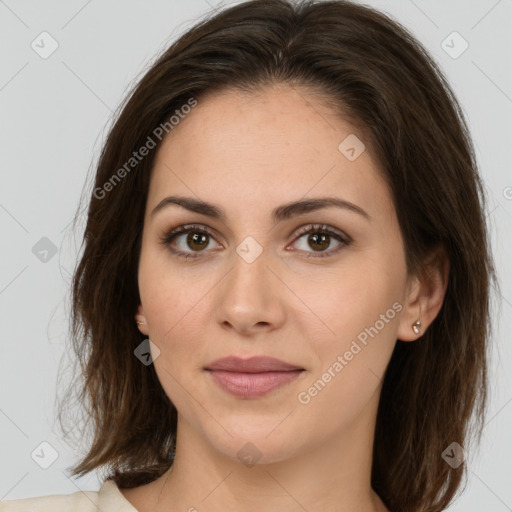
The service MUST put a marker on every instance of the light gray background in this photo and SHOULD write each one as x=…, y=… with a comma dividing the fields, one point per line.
x=54, y=113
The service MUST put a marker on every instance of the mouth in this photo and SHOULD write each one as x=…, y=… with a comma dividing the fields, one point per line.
x=254, y=377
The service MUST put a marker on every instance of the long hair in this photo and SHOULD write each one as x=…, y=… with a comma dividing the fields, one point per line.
x=375, y=74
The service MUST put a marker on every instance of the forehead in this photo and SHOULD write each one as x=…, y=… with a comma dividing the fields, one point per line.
x=281, y=143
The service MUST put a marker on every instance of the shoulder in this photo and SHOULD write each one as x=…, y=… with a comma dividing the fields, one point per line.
x=86, y=501
x=107, y=499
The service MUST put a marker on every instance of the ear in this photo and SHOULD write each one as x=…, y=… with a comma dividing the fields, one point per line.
x=425, y=295
x=140, y=318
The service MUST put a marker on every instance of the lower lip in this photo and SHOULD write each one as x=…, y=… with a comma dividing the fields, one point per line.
x=252, y=385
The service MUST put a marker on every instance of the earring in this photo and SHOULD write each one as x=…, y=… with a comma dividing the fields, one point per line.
x=416, y=327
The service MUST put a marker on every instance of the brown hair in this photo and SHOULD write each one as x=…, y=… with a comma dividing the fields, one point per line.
x=377, y=75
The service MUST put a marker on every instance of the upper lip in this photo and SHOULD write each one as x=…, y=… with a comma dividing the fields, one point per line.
x=256, y=364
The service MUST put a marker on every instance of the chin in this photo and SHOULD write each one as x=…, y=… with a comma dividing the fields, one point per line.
x=254, y=442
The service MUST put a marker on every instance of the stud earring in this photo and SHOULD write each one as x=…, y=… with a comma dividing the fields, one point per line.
x=416, y=327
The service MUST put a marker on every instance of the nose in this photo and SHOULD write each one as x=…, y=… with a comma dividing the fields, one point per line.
x=251, y=297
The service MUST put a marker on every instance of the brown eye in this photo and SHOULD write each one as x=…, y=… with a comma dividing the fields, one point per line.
x=319, y=238
x=319, y=241
x=195, y=242
x=198, y=239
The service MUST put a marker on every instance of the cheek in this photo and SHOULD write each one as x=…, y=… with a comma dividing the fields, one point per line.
x=353, y=331
x=173, y=304
x=175, y=316
x=351, y=297
x=351, y=362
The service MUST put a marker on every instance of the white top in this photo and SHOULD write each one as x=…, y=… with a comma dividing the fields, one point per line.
x=107, y=499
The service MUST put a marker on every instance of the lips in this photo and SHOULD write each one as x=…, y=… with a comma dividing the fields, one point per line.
x=256, y=364
x=254, y=377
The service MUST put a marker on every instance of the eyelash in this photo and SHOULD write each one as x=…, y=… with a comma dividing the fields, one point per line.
x=345, y=240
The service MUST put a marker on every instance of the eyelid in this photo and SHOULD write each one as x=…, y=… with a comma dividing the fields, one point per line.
x=169, y=236
x=185, y=228
x=312, y=227
x=341, y=236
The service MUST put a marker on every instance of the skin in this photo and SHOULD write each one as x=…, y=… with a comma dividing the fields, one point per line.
x=247, y=154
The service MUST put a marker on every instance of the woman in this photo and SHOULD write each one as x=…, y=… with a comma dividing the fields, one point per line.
x=283, y=297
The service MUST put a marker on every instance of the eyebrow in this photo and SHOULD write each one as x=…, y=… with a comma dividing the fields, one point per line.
x=283, y=212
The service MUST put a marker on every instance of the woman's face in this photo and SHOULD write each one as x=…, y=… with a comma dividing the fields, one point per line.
x=322, y=289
